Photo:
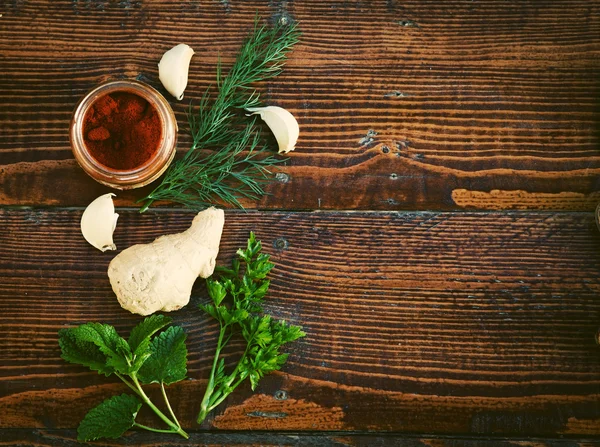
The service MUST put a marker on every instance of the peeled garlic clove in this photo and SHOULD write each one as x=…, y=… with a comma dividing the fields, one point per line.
x=99, y=221
x=173, y=69
x=282, y=123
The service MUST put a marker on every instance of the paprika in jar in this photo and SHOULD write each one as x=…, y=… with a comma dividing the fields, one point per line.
x=124, y=134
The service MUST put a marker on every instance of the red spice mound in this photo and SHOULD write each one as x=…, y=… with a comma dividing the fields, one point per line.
x=122, y=130
x=98, y=134
x=106, y=105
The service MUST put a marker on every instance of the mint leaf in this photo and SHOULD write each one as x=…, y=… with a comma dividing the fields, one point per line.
x=122, y=360
x=167, y=364
x=105, y=337
x=75, y=350
x=110, y=419
x=99, y=347
x=139, y=339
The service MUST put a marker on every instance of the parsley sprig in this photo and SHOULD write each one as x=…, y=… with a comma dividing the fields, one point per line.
x=142, y=359
x=245, y=284
x=227, y=174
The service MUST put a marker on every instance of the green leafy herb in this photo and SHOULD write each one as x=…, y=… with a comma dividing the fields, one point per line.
x=230, y=173
x=76, y=350
x=237, y=171
x=139, y=338
x=142, y=358
x=101, y=339
x=167, y=364
x=245, y=285
x=110, y=419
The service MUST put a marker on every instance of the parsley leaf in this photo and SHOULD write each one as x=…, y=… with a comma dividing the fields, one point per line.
x=246, y=284
x=264, y=337
x=167, y=364
x=110, y=419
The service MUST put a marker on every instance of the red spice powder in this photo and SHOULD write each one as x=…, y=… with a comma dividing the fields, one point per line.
x=122, y=130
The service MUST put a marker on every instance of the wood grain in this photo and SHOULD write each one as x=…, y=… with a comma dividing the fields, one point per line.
x=464, y=323
x=68, y=438
x=443, y=328
x=402, y=105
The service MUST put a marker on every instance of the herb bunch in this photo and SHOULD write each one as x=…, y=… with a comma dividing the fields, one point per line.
x=153, y=354
x=245, y=285
x=228, y=174
x=236, y=171
x=142, y=359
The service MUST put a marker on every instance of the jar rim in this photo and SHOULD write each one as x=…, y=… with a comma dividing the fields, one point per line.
x=141, y=175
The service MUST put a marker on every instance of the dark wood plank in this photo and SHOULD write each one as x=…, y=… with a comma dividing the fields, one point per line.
x=67, y=438
x=402, y=105
x=462, y=323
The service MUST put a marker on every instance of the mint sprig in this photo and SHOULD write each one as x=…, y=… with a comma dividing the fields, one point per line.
x=245, y=284
x=141, y=359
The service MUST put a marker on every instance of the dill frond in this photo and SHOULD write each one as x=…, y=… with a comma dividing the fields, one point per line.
x=238, y=169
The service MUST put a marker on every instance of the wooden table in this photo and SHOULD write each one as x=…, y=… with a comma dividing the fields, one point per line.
x=433, y=232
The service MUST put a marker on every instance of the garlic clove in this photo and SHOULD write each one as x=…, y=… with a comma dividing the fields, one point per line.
x=282, y=123
x=173, y=69
x=99, y=221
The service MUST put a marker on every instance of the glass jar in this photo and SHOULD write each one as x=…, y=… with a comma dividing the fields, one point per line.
x=134, y=176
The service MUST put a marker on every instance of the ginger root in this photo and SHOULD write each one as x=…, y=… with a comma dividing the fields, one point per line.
x=159, y=276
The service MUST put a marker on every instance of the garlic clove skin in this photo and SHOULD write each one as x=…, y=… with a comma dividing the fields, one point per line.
x=173, y=69
x=99, y=221
x=282, y=123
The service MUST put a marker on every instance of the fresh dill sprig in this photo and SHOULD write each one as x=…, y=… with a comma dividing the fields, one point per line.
x=229, y=173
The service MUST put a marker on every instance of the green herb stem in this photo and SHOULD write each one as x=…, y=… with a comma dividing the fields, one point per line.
x=168, y=404
x=220, y=400
x=156, y=430
x=147, y=204
x=128, y=383
x=218, y=395
x=205, y=405
x=175, y=427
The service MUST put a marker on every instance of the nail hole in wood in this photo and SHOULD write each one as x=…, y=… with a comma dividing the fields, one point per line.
x=280, y=243
x=281, y=395
x=281, y=177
